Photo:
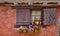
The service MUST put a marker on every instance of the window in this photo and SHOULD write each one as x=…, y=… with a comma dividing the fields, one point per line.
x=27, y=21
x=49, y=16
x=25, y=17
x=36, y=16
x=22, y=17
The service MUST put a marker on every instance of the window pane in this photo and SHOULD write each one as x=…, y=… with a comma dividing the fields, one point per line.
x=37, y=14
x=38, y=17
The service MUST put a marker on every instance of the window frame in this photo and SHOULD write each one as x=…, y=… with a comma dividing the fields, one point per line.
x=41, y=14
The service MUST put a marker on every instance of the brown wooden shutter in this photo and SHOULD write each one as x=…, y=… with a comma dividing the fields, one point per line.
x=23, y=16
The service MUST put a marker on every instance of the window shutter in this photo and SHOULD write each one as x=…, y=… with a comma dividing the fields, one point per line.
x=22, y=16
x=49, y=16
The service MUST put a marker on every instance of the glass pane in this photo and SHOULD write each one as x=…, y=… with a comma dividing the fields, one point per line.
x=38, y=17
x=36, y=12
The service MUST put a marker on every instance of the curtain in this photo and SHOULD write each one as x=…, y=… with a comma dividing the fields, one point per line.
x=49, y=16
x=22, y=16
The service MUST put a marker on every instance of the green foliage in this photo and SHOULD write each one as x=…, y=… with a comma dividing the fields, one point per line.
x=22, y=31
x=35, y=20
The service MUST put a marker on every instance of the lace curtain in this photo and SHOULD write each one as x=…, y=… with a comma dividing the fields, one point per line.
x=49, y=16
x=22, y=16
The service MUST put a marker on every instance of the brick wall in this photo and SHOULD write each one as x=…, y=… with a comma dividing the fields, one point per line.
x=58, y=20
x=8, y=20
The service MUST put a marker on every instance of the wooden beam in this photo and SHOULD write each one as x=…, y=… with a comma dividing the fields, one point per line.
x=26, y=4
x=52, y=3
